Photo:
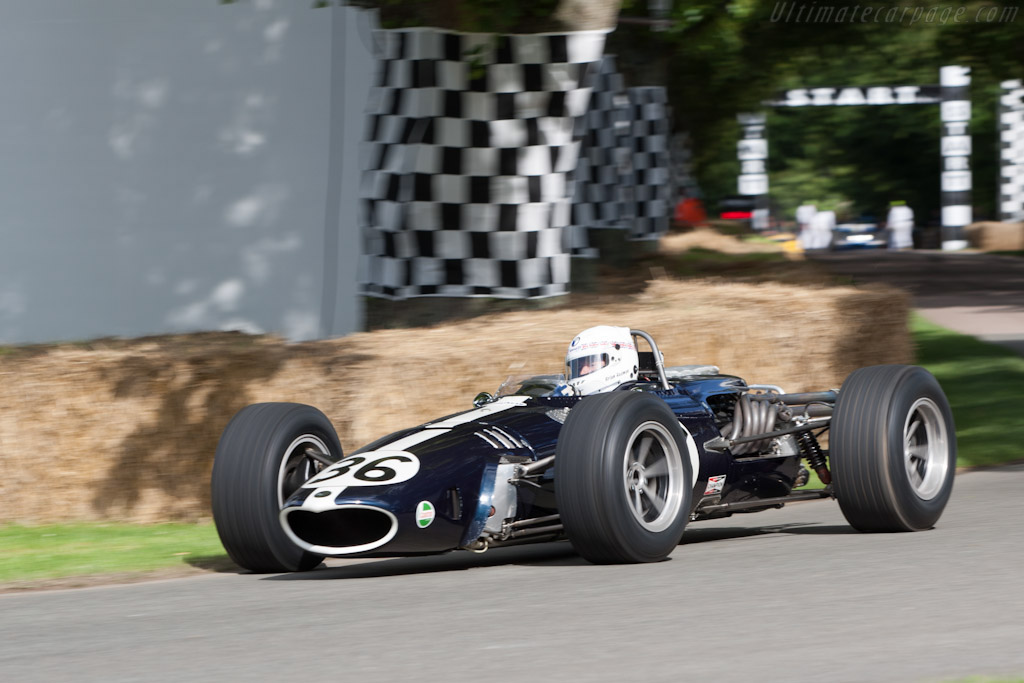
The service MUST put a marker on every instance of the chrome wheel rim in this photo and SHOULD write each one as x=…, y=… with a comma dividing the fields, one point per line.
x=925, y=448
x=652, y=476
x=297, y=467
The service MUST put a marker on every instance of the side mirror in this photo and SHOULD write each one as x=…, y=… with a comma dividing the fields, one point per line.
x=482, y=398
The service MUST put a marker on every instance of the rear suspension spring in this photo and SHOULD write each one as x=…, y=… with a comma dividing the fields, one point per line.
x=815, y=457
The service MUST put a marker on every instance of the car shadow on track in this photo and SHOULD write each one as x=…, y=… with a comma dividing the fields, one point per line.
x=706, y=535
x=557, y=554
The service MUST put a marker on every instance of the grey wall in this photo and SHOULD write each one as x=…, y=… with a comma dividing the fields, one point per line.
x=170, y=166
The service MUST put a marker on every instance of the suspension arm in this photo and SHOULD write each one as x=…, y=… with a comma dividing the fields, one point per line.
x=720, y=443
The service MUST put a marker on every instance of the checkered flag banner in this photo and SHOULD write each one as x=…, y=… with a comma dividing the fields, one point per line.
x=683, y=181
x=1011, y=143
x=622, y=179
x=469, y=149
x=647, y=211
x=600, y=195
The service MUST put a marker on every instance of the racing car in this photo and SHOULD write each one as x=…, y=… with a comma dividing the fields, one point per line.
x=617, y=456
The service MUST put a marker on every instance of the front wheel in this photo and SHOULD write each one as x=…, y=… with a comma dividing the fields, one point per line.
x=262, y=459
x=623, y=478
x=892, y=449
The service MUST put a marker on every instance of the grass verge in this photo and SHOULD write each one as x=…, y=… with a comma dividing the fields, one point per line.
x=985, y=386
x=699, y=262
x=38, y=553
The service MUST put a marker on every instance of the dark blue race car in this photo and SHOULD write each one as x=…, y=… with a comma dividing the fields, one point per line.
x=619, y=473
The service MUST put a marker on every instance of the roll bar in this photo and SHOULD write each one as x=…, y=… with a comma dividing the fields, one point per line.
x=659, y=364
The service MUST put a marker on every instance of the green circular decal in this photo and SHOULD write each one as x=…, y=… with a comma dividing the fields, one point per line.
x=424, y=514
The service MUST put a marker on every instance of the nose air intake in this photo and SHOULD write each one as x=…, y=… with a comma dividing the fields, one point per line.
x=342, y=531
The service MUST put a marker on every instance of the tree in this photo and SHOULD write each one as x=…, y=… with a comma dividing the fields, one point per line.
x=489, y=16
x=718, y=59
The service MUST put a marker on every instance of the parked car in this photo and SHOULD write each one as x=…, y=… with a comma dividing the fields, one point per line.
x=736, y=208
x=858, y=236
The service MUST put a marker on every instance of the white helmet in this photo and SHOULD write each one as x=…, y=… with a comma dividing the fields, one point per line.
x=600, y=359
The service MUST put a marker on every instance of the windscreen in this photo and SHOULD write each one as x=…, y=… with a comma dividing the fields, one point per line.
x=530, y=385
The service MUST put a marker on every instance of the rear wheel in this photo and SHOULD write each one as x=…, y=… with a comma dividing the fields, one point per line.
x=623, y=478
x=262, y=459
x=892, y=449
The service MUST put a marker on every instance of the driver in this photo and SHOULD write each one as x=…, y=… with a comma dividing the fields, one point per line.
x=600, y=359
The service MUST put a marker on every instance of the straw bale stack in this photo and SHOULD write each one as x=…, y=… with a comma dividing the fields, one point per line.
x=127, y=429
x=994, y=236
x=706, y=238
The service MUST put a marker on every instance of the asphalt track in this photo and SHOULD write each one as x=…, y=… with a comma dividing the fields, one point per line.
x=784, y=595
x=973, y=293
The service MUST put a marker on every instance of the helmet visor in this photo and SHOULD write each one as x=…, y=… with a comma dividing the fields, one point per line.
x=578, y=367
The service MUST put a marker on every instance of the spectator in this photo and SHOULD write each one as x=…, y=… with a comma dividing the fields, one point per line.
x=804, y=215
x=900, y=223
x=822, y=225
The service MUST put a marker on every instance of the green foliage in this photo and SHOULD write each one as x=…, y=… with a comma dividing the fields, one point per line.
x=802, y=181
x=502, y=16
x=474, y=16
x=855, y=159
x=474, y=57
x=720, y=59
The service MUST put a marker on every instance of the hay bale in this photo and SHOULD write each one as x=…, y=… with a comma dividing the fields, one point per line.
x=994, y=236
x=706, y=238
x=127, y=430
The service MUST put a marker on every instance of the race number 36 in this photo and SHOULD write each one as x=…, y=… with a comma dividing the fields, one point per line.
x=369, y=469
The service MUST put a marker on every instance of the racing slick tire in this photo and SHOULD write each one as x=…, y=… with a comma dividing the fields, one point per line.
x=892, y=449
x=623, y=478
x=260, y=462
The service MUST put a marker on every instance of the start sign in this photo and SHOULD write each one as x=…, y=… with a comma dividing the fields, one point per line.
x=849, y=97
x=952, y=94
